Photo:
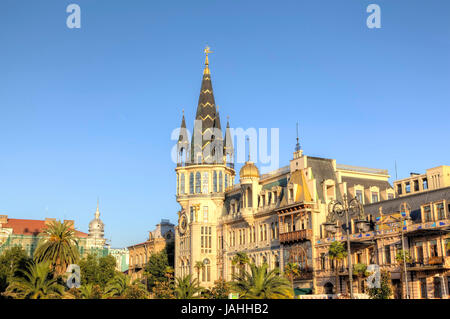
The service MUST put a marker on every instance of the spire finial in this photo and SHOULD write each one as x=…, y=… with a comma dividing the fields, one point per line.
x=207, y=51
x=297, y=146
x=97, y=212
x=248, y=141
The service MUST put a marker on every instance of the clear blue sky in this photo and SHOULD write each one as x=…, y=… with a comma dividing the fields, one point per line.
x=89, y=112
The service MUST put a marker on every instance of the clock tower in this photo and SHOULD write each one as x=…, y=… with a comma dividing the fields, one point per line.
x=205, y=169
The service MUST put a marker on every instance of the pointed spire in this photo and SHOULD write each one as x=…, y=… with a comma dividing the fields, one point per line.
x=248, y=141
x=183, y=131
x=206, y=119
x=228, y=142
x=297, y=146
x=97, y=212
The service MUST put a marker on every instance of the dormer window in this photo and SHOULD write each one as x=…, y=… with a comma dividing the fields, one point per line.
x=291, y=194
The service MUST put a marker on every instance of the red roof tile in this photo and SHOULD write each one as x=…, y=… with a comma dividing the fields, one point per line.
x=31, y=227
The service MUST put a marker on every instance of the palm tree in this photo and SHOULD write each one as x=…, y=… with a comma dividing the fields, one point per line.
x=187, y=288
x=292, y=271
x=260, y=283
x=199, y=266
x=90, y=291
x=59, y=246
x=337, y=252
x=117, y=286
x=37, y=282
x=240, y=259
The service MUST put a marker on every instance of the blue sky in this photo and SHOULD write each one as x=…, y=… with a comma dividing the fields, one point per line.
x=89, y=112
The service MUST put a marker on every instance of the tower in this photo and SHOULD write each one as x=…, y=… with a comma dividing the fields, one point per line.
x=96, y=234
x=202, y=178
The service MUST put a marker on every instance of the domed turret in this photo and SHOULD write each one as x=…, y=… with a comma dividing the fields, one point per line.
x=96, y=226
x=249, y=170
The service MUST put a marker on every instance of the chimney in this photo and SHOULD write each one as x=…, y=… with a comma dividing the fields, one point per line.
x=3, y=219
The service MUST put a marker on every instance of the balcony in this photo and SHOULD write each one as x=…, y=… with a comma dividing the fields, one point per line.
x=295, y=236
x=430, y=263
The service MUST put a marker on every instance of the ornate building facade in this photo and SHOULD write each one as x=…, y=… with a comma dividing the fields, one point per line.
x=27, y=233
x=275, y=217
x=162, y=237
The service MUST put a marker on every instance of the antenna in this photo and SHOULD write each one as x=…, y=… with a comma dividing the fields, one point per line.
x=396, y=177
x=248, y=141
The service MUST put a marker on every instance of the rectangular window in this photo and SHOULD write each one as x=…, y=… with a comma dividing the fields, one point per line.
x=419, y=252
x=447, y=247
x=387, y=254
x=425, y=184
x=182, y=184
x=205, y=214
x=407, y=187
x=416, y=185
x=423, y=288
x=440, y=211
x=433, y=248
x=359, y=196
x=427, y=213
x=399, y=189
x=192, y=213
x=390, y=196
x=374, y=197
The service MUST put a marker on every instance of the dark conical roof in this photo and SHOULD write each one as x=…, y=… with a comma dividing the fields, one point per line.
x=183, y=131
x=207, y=115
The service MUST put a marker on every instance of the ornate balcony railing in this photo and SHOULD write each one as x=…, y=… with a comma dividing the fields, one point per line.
x=298, y=235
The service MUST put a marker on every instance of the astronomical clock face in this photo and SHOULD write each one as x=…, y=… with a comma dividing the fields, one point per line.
x=182, y=223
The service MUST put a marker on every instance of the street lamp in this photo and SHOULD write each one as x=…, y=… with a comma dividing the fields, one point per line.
x=404, y=217
x=347, y=208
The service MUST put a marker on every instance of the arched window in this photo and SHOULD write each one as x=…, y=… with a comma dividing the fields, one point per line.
x=191, y=183
x=198, y=183
x=220, y=182
x=277, y=261
x=215, y=181
x=205, y=183
x=182, y=190
x=226, y=181
x=264, y=260
x=206, y=271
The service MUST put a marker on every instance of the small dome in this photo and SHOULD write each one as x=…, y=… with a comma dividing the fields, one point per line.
x=96, y=224
x=249, y=170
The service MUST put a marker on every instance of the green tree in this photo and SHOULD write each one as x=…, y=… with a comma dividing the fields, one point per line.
x=292, y=271
x=260, y=283
x=12, y=261
x=91, y=291
x=59, y=247
x=199, y=266
x=240, y=259
x=37, y=283
x=97, y=270
x=385, y=290
x=156, y=268
x=120, y=287
x=165, y=289
x=360, y=271
x=187, y=288
x=220, y=290
x=400, y=254
x=117, y=286
x=337, y=252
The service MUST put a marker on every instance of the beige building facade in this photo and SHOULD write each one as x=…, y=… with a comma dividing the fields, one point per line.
x=275, y=217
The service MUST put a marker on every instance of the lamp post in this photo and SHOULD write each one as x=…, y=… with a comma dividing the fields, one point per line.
x=347, y=208
x=404, y=218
